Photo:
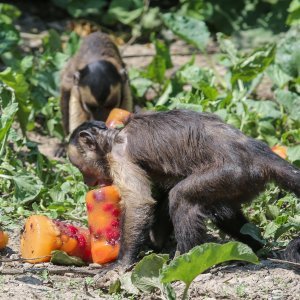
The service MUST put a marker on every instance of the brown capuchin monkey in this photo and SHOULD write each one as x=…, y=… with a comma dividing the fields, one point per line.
x=93, y=82
x=207, y=169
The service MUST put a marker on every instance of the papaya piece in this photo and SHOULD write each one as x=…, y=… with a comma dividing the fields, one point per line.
x=280, y=150
x=104, y=223
x=3, y=239
x=75, y=240
x=117, y=117
x=42, y=235
x=102, y=251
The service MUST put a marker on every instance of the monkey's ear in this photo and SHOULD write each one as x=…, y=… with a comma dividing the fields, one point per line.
x=76, y=77
x=124, y=74
x=87, y=139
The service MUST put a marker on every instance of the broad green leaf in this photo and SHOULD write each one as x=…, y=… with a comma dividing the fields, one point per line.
x=140, y=85
x=9, y=37
x=8, y=109
x=163, y=50
x=277, y=76
x=115, y=287
x=252, y=230
x=249, y=67
x=189, y=29
x=294, y=13
x=18, y=82
x=290, y=102
x=272, y=211
x=8, y=13
x=288, y=53
x=293, y=153
x=78, y=8
x=27, y=186
x=264, y=108
x=228, y=47
x=270, y=230
x=188, y=266
x=62, y=258
x=160, y=62
x=151, y=19
x=145, y=275
x=196, y=76
x=281, y=230
x=127, y=285
x=126, y=11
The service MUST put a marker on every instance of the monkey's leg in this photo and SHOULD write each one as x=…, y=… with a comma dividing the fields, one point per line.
x=162, y=226
x=137, y=206
x=230, y=220
x=189, y=199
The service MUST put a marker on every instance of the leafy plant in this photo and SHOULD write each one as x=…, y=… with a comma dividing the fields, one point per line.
x=155, y=272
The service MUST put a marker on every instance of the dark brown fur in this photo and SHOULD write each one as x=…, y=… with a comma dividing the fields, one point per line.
x=93, y=82
x=206, y=167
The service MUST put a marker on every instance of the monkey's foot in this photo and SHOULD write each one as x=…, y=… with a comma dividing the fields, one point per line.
x=108, y=275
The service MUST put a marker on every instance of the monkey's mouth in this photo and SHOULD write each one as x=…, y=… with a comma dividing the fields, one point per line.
x=103, y=182
x=93, y=182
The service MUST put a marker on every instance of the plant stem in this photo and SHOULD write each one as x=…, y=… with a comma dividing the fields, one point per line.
x=185, y=292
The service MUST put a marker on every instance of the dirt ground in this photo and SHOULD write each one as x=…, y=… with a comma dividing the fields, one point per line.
x=20, y=281
x=268, y=280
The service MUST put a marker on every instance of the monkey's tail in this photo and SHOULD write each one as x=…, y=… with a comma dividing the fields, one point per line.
x=285, y=174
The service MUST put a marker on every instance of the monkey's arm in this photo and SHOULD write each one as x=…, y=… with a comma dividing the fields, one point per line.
x=137, y=205
x=77, y=114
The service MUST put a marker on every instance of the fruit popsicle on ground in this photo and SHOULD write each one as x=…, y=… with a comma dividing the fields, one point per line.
x=104, y=223
x=117, y=117
x=41, y=236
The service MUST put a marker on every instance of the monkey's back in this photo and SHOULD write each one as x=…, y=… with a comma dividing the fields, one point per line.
x=181, y=142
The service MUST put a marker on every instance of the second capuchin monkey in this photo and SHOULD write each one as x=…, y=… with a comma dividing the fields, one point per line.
x=93, y=82
x=207, y=169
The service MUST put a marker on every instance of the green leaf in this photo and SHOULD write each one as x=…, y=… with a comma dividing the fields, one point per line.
x=272, y=211
x=252, y=230
x=145, y=275
x=160, y=62
x=293, y=153
x=264, y=108
x=249, y=67
x=140, y=85
x=127, y=285
x=189, y=29
x=78, y=8
x=277, y=75
x=228, y=47
x=8, y=108
x=290, y=102
x=9, y=37
x=187, y=266
x=62, y=258
x=294, y=13
x=27, y=186
x=196, y=76
x=288, y=53
x=8, y=13
x=18, y=82
x=270, y=230
x=115, y=287
x=126, y=11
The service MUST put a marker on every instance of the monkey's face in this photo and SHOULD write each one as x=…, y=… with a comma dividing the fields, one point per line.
x=87, y=151
x=99, y=104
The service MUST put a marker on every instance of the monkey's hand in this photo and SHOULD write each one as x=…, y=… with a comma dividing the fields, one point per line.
x=108, y=274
